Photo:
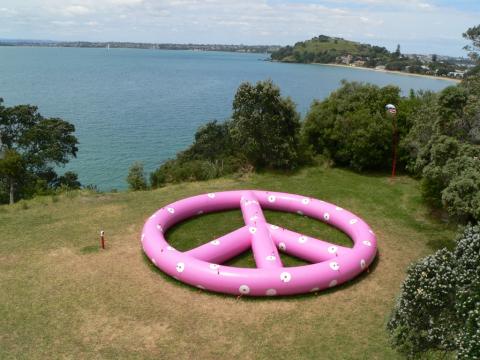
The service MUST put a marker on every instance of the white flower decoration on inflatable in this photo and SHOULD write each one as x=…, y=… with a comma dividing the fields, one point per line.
x=363, y=264
x=244, y=289
x=271, y=292
x=285, y=277
x=333, y=283
x=334, y=266
x=180, y=267
x=332, y=249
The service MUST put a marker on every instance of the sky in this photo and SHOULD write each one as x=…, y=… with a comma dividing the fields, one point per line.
x=419, y=26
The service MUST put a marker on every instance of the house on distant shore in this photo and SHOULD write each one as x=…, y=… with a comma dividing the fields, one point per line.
x=347, y=59
x=359, y=63
x=458, y=74
x=380, y=67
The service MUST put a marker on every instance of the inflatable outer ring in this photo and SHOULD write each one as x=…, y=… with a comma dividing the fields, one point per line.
x=258, y=281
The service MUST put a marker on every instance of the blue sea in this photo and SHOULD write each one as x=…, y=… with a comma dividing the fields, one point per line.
x=145, y=105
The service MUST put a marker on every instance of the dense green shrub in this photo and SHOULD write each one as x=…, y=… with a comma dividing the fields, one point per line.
x=68, y=181
x=136, y=177
x=351, y=126
x=467, y=304
x=442, y=148
x=212, y=142
x=439, y=305
x=449, y=171
x=425, y=311
x=263, y=133
x=461, y=197
x=176, y=170
x=211, y=155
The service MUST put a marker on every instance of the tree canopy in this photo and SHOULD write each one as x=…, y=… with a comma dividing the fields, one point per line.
x=350, y=126
x=33, y=145
x=266, y=126
x=473, y=35
x=263, y=132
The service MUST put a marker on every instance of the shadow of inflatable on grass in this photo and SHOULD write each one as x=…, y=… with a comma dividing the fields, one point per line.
x=306, y=297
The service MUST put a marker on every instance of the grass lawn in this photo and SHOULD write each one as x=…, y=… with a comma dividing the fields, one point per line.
x=60, y=297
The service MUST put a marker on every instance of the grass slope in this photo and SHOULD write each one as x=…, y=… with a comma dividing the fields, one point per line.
x=61, y=297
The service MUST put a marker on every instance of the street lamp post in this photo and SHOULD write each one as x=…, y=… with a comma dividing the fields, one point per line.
x=392, y=112
x=2, y=153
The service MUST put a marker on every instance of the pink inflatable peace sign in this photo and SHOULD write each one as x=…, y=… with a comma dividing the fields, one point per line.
x=202, y=266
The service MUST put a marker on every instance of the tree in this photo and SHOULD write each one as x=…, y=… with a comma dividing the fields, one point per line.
x=461, y=197
x=265, y=126
x=443, y=148
x=350, y=126
x=212, y=141
x=136, y=177
x=397, y=52
x=439, y=305
x=39, y=142
x=473, y=35
x=68, y=181
x=12, y=168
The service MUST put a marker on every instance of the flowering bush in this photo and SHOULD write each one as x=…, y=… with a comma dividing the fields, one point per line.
x=439, y=305
x=467, y=304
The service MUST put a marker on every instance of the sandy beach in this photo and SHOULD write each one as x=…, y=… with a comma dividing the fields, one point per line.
x=392, y=72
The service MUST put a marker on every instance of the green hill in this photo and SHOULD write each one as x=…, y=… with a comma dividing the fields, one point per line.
x=61, y=297
x=325, y=49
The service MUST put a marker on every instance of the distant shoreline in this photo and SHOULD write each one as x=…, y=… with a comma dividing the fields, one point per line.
x=252, y=49
x=393, y=72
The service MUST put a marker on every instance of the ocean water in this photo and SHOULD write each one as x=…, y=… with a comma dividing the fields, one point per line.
x=145, y=105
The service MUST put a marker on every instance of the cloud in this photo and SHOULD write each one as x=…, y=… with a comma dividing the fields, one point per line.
x=6, y=12
x=125, y=2
x=73, y=10
x=415, y=24
x=63, y=22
